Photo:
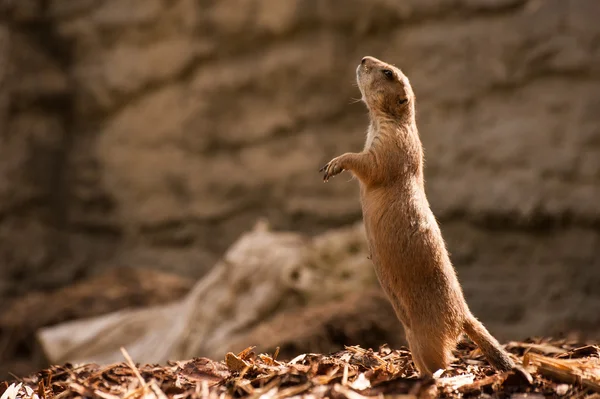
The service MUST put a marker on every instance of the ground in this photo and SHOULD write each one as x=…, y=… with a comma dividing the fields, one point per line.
x=557, y=368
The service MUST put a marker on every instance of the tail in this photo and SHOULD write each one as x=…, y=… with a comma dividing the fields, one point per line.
x=493, y=352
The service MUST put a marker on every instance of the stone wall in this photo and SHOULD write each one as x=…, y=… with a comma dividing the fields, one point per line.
x=152, y=133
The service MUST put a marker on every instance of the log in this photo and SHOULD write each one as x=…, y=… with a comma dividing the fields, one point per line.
x=263, y=274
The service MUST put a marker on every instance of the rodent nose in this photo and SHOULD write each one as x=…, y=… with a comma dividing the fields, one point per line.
x=367, y=60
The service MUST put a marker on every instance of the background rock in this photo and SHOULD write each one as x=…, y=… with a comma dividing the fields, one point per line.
x=151, y=134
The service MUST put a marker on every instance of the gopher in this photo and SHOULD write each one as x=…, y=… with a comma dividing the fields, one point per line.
x=405, y=242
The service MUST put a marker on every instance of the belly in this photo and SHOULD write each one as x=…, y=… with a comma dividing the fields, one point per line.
x=408, y=252
x=387, y=222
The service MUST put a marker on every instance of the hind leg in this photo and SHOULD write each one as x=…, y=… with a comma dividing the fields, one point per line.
x=416, y=355
x=430, y=352
x=410, y=336
x=435, y=357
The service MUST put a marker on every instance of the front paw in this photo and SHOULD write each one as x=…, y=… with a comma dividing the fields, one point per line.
x=334, y=167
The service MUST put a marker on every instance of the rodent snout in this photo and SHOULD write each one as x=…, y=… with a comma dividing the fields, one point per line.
x=368, y=60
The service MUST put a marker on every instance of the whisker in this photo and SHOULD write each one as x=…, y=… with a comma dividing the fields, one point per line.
x=355, y=100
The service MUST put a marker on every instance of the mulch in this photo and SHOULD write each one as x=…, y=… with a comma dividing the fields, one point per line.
x=559, y=369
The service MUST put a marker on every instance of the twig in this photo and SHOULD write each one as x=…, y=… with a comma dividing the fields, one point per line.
x=133, y=368
x=345, y=375
x=563, y=370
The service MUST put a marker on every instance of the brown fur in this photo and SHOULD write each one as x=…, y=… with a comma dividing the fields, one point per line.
x=406, y=244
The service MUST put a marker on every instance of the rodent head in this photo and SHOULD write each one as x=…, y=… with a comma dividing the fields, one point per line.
x=384, y=88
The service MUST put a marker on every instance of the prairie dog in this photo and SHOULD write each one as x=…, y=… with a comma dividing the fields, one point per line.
x=405, y=241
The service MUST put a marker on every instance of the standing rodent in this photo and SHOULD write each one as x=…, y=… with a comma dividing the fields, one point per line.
x=406, y=244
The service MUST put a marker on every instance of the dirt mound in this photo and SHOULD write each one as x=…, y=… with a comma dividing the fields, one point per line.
x=365, y=317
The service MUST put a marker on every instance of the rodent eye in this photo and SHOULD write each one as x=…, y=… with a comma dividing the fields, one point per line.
x=402, y=100
x=389, y=74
